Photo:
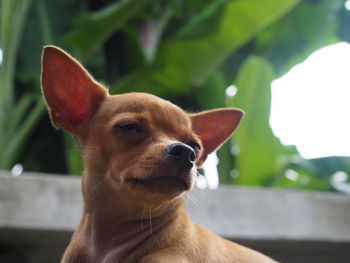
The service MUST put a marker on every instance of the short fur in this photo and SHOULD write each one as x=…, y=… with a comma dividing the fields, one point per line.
x=140, y=155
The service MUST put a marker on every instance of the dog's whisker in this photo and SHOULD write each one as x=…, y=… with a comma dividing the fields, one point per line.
x=192, y=199
x=150, y=219
x=122, y=176
x=198, y=173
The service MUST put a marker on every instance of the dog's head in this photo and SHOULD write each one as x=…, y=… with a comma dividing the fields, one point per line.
x=137, y=145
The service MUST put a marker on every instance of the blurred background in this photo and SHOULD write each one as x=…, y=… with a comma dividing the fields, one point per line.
x=284, y=62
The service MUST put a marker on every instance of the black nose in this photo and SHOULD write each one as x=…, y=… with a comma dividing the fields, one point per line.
x=182, y=152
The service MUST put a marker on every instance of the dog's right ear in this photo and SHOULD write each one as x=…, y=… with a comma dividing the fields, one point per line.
x=214, y=127
x=71, y=94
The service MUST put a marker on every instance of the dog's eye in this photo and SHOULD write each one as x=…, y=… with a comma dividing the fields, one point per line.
x=130, y=127
x=195, y=146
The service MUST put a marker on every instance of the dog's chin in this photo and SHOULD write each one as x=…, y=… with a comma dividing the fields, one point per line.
x=165, y=185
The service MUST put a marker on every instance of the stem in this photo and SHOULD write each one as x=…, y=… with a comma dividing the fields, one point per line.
x=13, y=27
x=12, y=150
x=12, y=18
x=44, y=22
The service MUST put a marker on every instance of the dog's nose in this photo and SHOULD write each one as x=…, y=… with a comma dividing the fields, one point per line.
x=182, y=152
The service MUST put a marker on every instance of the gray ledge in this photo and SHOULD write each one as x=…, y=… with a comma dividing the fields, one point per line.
x=257, y=213
x=35, y=205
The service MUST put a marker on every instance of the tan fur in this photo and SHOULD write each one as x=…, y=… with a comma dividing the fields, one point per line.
x=139, y=153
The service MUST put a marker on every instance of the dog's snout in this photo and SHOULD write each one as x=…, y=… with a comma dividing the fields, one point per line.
x=182, y=152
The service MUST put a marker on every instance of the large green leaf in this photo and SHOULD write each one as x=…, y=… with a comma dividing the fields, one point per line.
x=51, y=20
x=13, y=14
x=189, y=57
x=212, y=95
x=259, y=149
x=92, y=29
x=311, y=25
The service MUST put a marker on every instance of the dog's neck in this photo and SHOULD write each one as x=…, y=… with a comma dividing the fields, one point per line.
x=112, y=227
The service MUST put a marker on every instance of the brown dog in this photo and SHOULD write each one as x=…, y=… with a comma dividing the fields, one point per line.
x=139, y=155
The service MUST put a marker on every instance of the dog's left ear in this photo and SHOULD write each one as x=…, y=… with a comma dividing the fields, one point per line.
x=214, y=128
x=71, y=94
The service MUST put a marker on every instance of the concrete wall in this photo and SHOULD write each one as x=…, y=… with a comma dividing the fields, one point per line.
x=39, y=212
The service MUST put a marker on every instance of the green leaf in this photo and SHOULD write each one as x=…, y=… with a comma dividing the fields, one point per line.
x=315, y=174
x=259, y=149
x=12, y=18
x=310, y=26
x=44, y=21
x=13, y=14
x=301, y=179
x=193, y=58
x=14, y=144
x=212, y=95
x=92, y=29
x=19, y=111
x=189, y=58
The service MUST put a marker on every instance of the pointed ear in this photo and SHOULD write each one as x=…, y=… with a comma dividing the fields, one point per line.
x=71, y=94
x=214, y=128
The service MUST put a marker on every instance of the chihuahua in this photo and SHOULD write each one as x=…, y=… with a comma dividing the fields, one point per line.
x=140, y=154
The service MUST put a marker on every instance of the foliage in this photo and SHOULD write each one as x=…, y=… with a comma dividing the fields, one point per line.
x=258, y=150
x=186, y=58
x=185, y=51
x=17, y=115
x=191, y=53
x=91, y=30
x=306, y=28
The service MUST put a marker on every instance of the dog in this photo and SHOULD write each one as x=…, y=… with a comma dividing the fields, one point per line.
x=140, y=154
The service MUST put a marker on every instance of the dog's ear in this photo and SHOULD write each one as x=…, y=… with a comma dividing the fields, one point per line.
x=71, y=94
x=214, y=128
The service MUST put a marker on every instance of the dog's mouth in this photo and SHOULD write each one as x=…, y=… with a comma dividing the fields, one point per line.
x=161, y=183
